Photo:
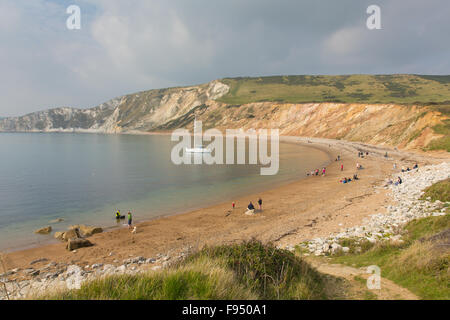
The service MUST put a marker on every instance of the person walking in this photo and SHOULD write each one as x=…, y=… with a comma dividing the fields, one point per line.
x=260, y=204
x=130, y=219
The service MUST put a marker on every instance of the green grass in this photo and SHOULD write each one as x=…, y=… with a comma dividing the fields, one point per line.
x=400, y=89
x=438, y=191
x=418, y=264
x=249, y=270
x=442, y=143
x=421, y=263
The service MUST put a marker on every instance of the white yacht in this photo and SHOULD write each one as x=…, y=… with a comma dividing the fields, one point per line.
x=198, y=147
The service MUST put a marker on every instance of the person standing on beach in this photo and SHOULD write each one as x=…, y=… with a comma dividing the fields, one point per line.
x=342, y=167
x=233, y=204
x=260, y=204
x=323, y=171
x=130, y=218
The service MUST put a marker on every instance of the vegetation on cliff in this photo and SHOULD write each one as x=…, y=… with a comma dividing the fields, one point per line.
x=371, y=89
x=421, y=261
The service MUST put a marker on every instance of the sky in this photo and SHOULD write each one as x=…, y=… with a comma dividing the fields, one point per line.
x=128, y=46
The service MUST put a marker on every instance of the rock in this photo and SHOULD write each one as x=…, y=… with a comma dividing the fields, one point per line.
x=38, y=260
x=86, y=231
x=89, y=231
x=121, y=269
x=74, y=277
x=71, y=234
x=97, y=265
x=155, y=268
x=59, y=235
x=345, y=249
x=150, y=260
x=56, y=220
x=45, y=230
x=335, y=248
x=35, y=273
x=73, y=244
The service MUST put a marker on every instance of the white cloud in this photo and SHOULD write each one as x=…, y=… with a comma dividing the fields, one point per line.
x=127, y=46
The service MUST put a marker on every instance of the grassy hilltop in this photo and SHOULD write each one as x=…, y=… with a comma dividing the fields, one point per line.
x=373, y=89
x=400, y=89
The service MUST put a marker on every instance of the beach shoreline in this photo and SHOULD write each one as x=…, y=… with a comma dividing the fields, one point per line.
x=45, y=240
x=292, y=212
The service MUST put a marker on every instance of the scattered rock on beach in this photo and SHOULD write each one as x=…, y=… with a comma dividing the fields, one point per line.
x=73, y=244
x=59, y=235
x=56, y=220
x=38, y=260
x=384, y=226
x=86, y=231
x=45, y=230
x=71, y=234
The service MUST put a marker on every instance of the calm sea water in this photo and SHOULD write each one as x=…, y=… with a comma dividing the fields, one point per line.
x=85, y=178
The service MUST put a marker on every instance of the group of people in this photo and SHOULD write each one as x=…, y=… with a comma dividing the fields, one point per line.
x=345, y=180
x=416, y=166
x=396, y=183
x=251, y=207
x=361, y=154
x=399, y=179
x=316, y=172
x=119, y=217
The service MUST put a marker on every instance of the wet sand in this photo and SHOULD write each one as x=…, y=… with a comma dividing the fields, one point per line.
x=305, y=209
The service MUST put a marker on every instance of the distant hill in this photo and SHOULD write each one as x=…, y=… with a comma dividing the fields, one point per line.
x=407, y=111
x=374, y=89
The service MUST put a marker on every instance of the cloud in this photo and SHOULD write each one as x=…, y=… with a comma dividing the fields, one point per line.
x=128, y=46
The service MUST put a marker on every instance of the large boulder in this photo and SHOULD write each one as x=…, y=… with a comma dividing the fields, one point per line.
x=71, y=234
x=73, y=244
x=59, y=235
x=45, y=230
x=86, y=231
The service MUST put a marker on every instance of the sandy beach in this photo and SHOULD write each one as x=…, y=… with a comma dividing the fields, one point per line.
x=305, y=209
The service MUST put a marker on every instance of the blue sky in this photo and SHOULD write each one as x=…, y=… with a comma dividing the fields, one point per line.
x=128, y=46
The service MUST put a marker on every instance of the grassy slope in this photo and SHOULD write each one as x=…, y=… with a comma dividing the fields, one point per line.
x=422, y=262
x=245, y=271
x=399, y=89
x=433, y=91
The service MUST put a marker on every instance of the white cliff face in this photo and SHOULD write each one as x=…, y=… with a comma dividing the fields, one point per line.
x=142, y=111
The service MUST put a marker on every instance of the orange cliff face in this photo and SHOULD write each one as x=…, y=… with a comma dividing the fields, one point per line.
x=406, y=127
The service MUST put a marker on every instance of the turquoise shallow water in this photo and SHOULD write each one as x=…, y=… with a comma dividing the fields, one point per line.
x=85, y=178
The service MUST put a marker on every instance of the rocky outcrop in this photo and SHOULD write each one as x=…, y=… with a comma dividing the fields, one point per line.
x=45, y=230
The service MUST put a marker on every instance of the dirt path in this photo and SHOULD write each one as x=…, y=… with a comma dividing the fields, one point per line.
x=357, y=278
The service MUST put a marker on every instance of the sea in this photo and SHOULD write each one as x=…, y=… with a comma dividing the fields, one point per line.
x=85, y=178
